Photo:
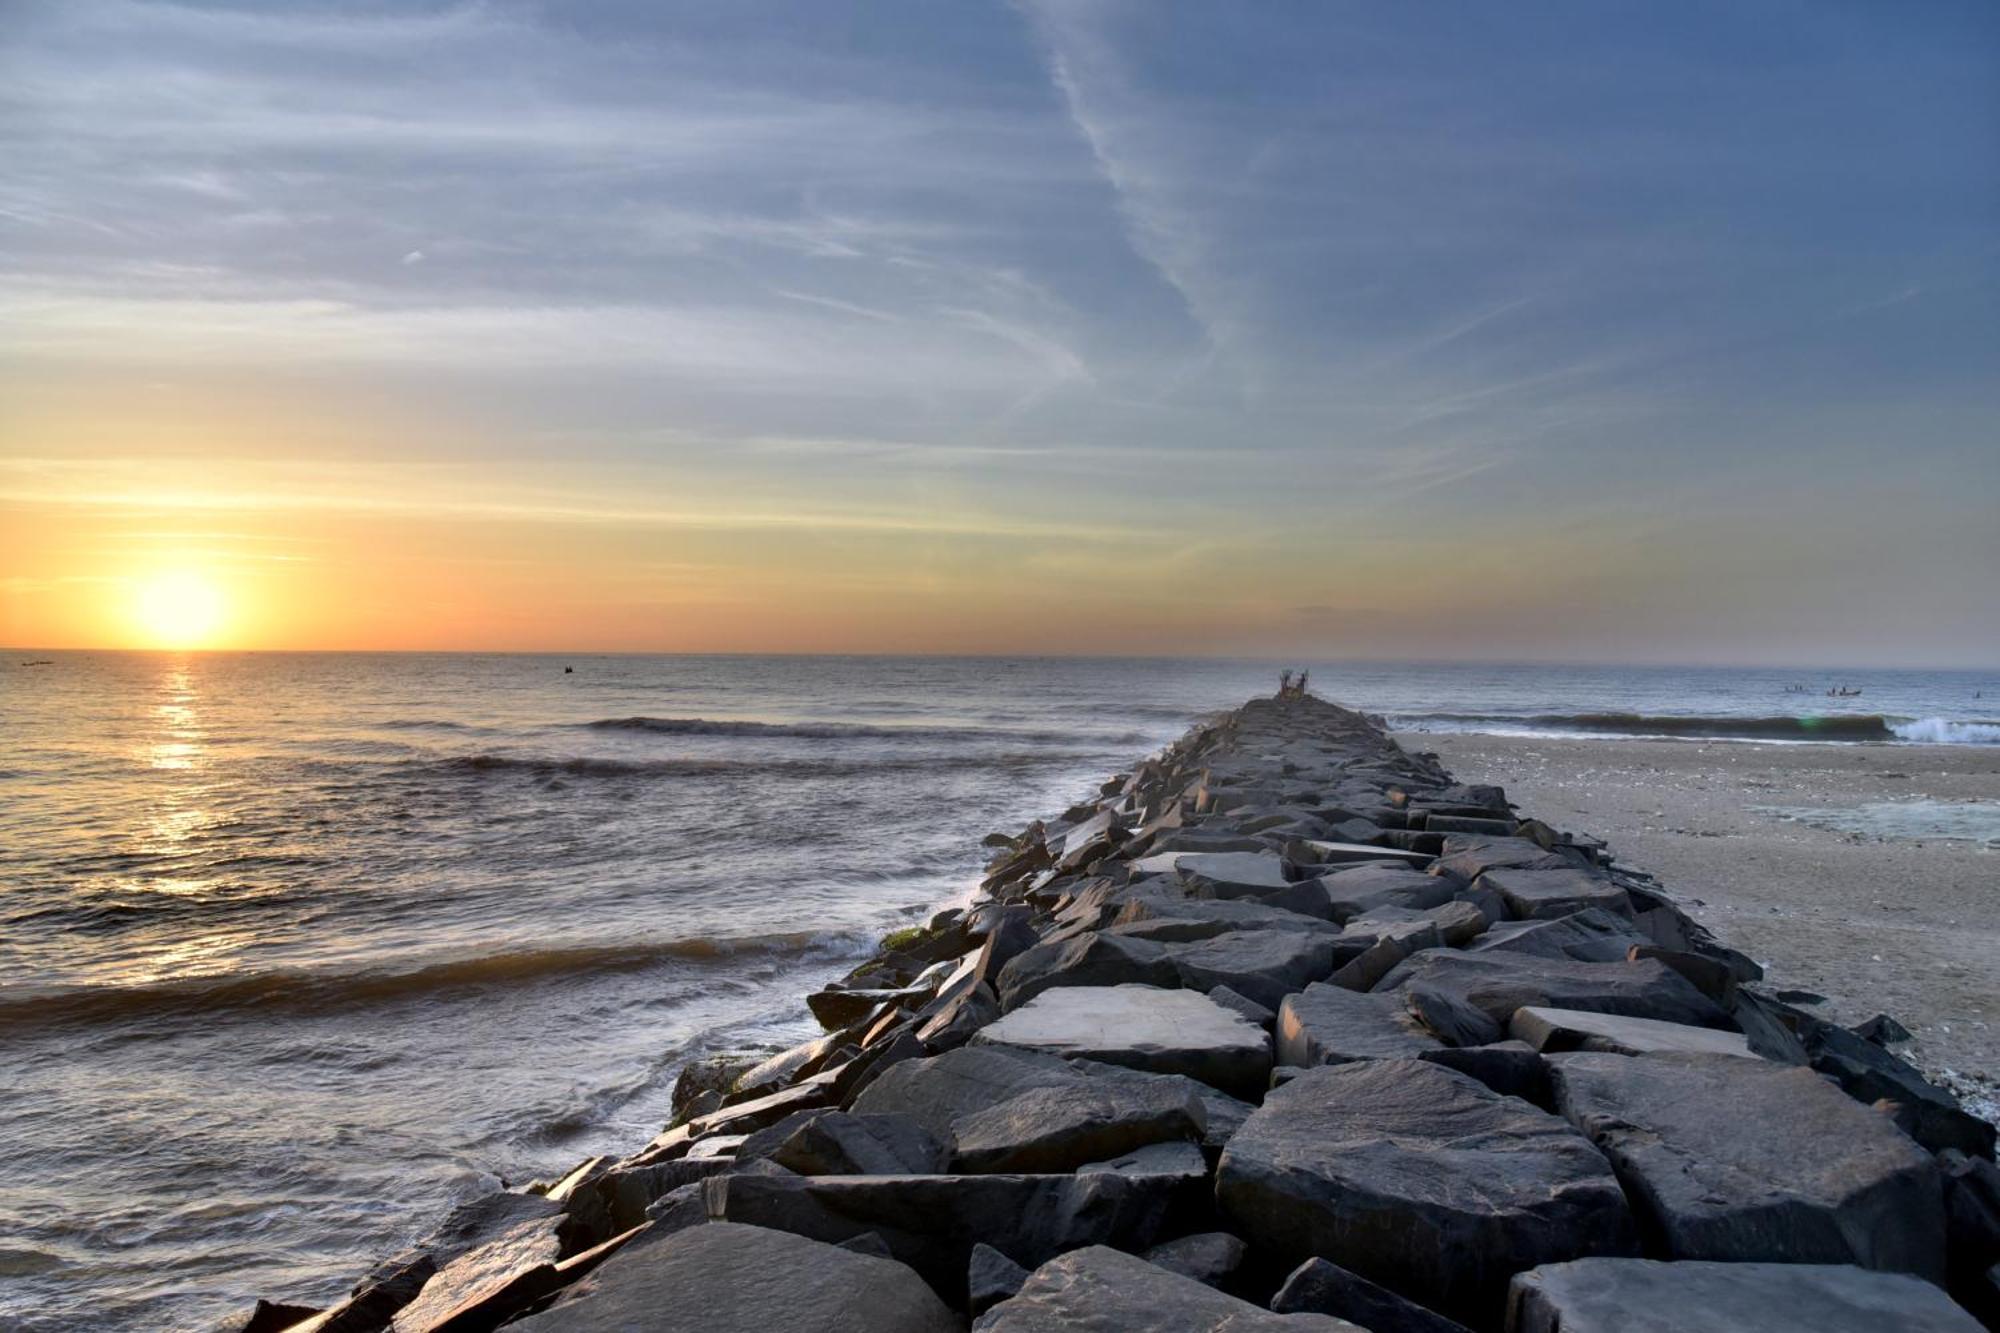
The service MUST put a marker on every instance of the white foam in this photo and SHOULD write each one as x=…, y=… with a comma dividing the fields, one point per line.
x=1943, y=731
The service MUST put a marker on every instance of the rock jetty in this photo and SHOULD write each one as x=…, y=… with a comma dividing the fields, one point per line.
x=1286, y=1030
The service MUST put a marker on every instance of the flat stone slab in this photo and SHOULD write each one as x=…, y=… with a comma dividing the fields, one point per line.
x=1543, y=895
x=1341, y=853
x=1469, y=998
x=723, y=1278
x=1260, y=965
x=1233, y=874
x=1100, y=1288
x=1420, y=1179
x=1349, y=893
x=1140, y=1027
x=1180, y=921
x=1579, y=1030
x=1470, y=855
x=1330, y=1025
x=1646, y=1296
x=1752, y=1161
x=1589, y=936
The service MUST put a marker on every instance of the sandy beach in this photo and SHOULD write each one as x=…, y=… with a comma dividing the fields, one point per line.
x=1904, y=925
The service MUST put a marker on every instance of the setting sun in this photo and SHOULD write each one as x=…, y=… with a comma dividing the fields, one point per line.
x=178, y=610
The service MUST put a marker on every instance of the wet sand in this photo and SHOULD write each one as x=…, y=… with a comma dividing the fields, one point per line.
x=1910, y=927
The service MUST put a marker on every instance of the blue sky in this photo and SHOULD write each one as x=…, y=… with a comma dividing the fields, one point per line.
x=1587, y=330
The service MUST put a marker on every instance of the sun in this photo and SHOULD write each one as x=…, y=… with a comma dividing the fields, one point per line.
x=178, y=610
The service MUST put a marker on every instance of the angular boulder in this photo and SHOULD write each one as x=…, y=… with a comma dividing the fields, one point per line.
x=1319, y=1287
x=1551, y=1030
x=1468, y=998
x=1261, y=965
x=1331, y=1025
x=1544, y=895
x=1348, y=893
x=1749, y=1161
x=1419, y=1179
x=1100, y=1288
x=1589, y=936
x=835, y=1143
x=1183, y=920
x=1141, y=1027
x=721, y=1278
x=1091, y=959
x=1646, y=1296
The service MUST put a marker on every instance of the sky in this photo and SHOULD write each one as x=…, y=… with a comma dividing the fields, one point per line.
x=1590, y=331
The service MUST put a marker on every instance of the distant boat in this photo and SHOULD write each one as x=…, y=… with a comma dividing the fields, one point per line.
x=41, y=661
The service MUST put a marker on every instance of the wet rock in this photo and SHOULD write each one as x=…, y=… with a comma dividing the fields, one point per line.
x=1211, y=1258
x=1467, y=999
x=1750, y=1161
x=1264, y=965
x=724, y=1279
x=932, y=1222
x=375, y=1299
x=1330, y=1025
x=1141, y=1027
x=488, y=1283
x=991, y=1277
x=1420, y=1179
x=1543, y=895
x=1589, y=936
x=836, y=1143
x=1093, y=959
x=1319, y=1287
x=1100, y=1288
x=1646, y=1296
x=1576, y=1030
x=274, y=1317
x=712, y=1077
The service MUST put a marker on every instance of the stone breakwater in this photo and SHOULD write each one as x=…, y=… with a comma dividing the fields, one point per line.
x=1286, y=1030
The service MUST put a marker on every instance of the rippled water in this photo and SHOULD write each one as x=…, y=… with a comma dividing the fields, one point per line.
x=295, y=949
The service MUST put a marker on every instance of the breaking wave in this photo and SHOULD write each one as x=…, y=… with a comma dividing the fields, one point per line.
x=299, y=990
x=1850, y=728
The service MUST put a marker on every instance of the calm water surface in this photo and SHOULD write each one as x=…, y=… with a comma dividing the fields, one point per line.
x=297, y=949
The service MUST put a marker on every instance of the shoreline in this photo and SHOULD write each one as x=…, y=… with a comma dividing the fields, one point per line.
x=1179, y=1027
x=1875, y=924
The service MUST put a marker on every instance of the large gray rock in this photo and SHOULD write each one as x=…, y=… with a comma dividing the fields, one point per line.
x=1589, y=936
x=1869, y=1073
x=1141, y=1027
x=1059, y=1127
x=1183, y=920
x=1543, y=895
x=1348, y=893
x=1420, y=1179
x=1747, y=1160
x=1091, y=959
x=1578, y=1030
x=1469, y=998
x=1330, y=1025
x=932, y=1222
x=1211, y=1258
x=1262, y=965
x=744, y=1279
x=834, y=1143
x=1645, y=1296
x=1470, y=855
x=1323, y=1288
x=1233, y=874
x=1100, y=1289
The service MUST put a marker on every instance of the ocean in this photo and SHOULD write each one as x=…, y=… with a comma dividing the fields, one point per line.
x=298, y=949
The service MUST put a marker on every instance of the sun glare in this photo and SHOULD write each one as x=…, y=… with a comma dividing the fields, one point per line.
x=178, y=610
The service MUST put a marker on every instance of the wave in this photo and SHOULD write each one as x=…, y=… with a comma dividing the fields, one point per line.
x=1943, y=731
x=828, y=731
x=300, y=990
x=1852, y=728
x=590, y=767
